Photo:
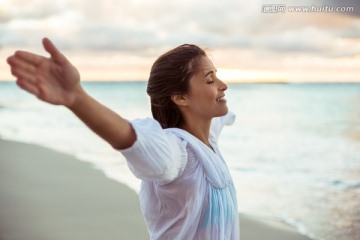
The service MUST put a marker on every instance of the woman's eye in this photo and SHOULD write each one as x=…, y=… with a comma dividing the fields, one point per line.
x=210, y=78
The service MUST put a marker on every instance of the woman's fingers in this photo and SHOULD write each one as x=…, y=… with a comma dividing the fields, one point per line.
x=23, y=70
x=18, y=63
x=53, y=51
x=25, y=75
x=29, y=57
x=28, y=86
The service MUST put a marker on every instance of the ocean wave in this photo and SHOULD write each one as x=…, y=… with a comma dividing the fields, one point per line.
x=281, y=162
x=345, y=184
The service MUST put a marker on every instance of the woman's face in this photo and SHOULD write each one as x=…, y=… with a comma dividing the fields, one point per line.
x=206, y=97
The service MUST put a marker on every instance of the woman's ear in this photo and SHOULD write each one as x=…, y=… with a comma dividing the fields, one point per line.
x=179, y=99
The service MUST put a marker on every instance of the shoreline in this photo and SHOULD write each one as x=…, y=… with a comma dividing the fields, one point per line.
x=48, y=194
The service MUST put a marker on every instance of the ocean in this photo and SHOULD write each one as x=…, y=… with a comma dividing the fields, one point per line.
x=293, y=152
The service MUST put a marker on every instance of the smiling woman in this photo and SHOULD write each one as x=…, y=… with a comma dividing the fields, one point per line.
x=187, y=191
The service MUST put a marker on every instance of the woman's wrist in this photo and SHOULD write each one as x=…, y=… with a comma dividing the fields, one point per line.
x=77, y=98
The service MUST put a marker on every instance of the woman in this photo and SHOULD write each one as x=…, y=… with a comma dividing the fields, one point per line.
x=187, y=191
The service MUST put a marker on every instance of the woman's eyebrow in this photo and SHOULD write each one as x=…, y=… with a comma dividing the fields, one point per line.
x=210, y=72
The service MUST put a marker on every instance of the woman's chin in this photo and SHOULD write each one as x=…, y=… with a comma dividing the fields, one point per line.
x=223, y=112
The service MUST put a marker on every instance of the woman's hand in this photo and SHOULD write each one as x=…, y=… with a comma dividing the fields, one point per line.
x=54, y=80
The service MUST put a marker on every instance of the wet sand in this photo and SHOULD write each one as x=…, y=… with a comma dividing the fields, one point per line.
x=45, y=194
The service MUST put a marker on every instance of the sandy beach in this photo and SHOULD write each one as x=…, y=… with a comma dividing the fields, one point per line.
x=45, y=194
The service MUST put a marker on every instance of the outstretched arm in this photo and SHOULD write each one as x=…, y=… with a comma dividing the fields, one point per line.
x=55, y=80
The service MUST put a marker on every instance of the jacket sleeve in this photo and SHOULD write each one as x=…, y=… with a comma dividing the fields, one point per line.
x=156, y=155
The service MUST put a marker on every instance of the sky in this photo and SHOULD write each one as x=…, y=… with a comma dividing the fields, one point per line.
x=249, y=41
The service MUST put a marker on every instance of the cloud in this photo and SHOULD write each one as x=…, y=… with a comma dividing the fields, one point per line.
x=23, y=9
x=150, y=27
x=353, y=4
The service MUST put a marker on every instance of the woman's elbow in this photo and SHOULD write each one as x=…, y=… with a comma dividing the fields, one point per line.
x=123, y=142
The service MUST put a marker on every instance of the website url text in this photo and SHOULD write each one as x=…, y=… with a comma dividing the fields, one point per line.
x=282, y=8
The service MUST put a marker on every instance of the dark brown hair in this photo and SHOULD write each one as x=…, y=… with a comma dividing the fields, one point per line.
x=170, y=74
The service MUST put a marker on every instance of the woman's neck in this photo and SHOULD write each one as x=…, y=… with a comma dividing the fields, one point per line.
x=199, y=129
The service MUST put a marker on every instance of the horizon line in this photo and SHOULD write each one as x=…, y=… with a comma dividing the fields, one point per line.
x=227, y=81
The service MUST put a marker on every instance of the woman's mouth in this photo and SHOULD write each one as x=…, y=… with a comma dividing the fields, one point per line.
x=221, y=99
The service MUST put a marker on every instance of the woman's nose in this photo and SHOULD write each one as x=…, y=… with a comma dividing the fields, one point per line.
x=222, y=85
